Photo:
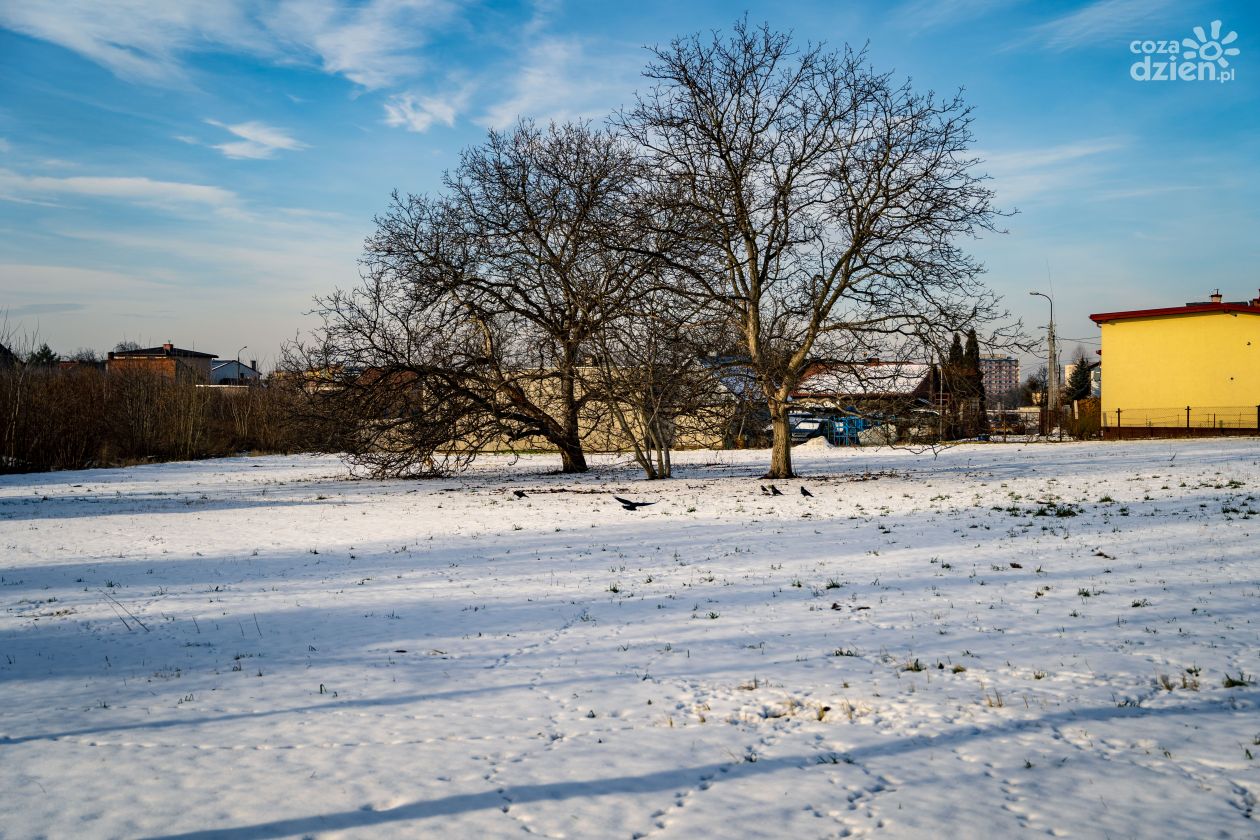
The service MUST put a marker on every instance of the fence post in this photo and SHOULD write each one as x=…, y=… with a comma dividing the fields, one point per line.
x=1187, y=417
x=1117, y=422
x=1258, y=417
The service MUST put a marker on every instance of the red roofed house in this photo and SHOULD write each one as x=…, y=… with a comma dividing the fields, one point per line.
x=167, y=360
x=1182, y=368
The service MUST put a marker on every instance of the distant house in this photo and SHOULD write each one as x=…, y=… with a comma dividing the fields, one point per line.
x=233, y=372
x=871, y=384
x=168, y=361
x=1183, y=367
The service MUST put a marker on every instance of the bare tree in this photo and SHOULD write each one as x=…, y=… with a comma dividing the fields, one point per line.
x=819, y=203
x=652, y=381
x=381, y=397
x=488, y=298
x=1033, y=391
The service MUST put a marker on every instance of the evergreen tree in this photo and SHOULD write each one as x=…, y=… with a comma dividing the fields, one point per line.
x=975, y=381
x=1078, y=384
x=953, y=389
x=43, y=357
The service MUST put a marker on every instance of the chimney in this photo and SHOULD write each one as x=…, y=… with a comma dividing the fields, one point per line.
x=168, y=347
x=253, y=363
x=1255, y=301
x=1216, y=296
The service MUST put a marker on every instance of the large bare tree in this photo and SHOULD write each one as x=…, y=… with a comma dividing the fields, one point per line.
x=488, y=297
x=818, y=202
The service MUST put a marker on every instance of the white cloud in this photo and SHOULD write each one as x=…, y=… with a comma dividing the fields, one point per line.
x=1025, y=159
x=275, y=257
x=4, y=145
x=560, y=80
x=258, y=140
x=920, y=15
x=1038, y=173
x=1102, y=20
x=140, y=40
x=62, y=281
x=373, y=43
x=18, y=187
x=418, y=113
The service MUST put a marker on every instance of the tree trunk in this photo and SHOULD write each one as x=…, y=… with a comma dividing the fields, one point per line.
x=572, y=458
x=781, y=448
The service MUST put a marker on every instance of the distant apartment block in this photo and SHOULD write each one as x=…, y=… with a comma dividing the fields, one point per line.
x=1000, y=373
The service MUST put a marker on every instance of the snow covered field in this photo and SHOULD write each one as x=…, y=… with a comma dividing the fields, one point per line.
x=1002, y=640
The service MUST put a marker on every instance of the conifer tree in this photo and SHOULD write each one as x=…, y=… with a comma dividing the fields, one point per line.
x=1078, y=384
x=975, y=381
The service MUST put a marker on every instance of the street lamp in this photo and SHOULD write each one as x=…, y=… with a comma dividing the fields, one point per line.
x=1052, y=367
x=238, y=363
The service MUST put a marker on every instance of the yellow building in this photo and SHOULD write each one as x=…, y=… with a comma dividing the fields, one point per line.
x=1195, y=366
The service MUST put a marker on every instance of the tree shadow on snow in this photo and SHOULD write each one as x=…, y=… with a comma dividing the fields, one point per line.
x=661, y=780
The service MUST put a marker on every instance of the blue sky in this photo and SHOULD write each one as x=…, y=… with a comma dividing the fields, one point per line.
x=198, y=171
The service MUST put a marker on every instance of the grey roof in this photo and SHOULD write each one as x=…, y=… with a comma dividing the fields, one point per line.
x=162, y=351
x=218, y=363
x=884, y=378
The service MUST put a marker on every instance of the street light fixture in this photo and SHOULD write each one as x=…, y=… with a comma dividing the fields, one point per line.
x=1052, y=366
x=238, y=363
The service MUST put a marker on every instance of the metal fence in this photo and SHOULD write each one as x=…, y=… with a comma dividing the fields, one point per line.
x=1188, y=420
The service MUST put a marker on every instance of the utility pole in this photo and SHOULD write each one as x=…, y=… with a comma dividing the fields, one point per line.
x=1052, y=365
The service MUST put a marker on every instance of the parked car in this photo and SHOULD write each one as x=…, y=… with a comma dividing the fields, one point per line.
x=839, y=431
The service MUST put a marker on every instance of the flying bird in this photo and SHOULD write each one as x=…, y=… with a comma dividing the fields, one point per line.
x=806, y=493
x=775, y=491
x=520, y=494
x=629, y=505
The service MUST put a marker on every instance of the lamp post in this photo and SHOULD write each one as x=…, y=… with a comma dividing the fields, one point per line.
x=1052, y=366
x=238, y=363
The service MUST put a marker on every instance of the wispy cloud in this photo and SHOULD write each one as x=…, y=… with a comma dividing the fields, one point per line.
x=1043, y=173
x=374, y=43
x=45, y=308
x=140, y=40
x=1100, y=21
x=561, y=79
x=286, y=256
x=418, y=113
x=257, y=140
x=18, y=187
x=52, y=280
x=921, y=15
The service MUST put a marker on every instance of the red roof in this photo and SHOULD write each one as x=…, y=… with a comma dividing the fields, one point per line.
x=1190, y=309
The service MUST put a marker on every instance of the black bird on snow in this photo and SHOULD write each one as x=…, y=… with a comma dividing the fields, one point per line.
x=520, y=494
x=629, y=505
x=764, y=491
x=775, y=491
x=806, y=493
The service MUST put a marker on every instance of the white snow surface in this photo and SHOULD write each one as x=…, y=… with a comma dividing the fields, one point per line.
x=995, y=641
